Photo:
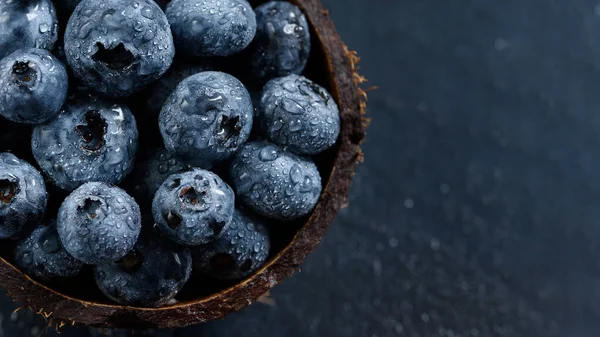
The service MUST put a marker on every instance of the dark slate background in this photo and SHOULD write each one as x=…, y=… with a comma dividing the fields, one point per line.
x=476, y=210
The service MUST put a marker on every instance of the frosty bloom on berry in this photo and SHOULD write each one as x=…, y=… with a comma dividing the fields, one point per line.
x=241, y=250
x=33, y=86
x=207, y=118
x=42, y=256
x=27, y=24
x=298, y=114
x=194, y=207
x=117, y=47
x=275, y=183
x=90, y=140
x=151, y=274
x=98, y=223
x=23, y=197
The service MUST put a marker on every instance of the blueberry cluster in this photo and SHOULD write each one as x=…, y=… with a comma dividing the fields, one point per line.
x=231, y=164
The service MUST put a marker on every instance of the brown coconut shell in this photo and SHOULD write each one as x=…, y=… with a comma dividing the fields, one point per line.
x=336, y=67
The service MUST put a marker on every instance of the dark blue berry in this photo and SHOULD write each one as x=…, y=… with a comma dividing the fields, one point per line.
x=27, y=24
x=117, y=47
x=211, y=28
x=151, y=173
x=149, y=275
x=241, y=250
x=165, y=86
x=33, y=86
x=299, y=115
x=42, y=256
x=98, y=223
x=275, y=183
x=193, y=208
x=282, y=43
x=90, y=140
x=207, y=118
x=23, y=197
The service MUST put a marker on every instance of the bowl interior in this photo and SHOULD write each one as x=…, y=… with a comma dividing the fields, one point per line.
x=16, y=139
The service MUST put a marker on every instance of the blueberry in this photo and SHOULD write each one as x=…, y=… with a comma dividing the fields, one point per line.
x=193, y=208
x=282, y=43
x=298, y=114
x=151, y=173
x=275, y=183
x=167, y=84
x=241, y=250
x=23, y=197
x=33, y=86
x=90, y=140
x=27, y=24
x=211, y=28
x=98, y=223
x=42, y=256
x=117, y=47
x=207, y=118
x=149, y=275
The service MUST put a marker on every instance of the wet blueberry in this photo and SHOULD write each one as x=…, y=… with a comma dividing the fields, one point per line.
x=275, y=183
x=27, y=24
x=282, y=43
x=211, y=28
x=23, y=197
x=90, y=140
x=207, y=118
x=117, y=47
x=42, y=256
x=152, y=172
x=193, y=208
x=241, y=250
x=33, y=86
x=165, y=86
x=98, y=223
x=298, y=114
x=151, y=274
